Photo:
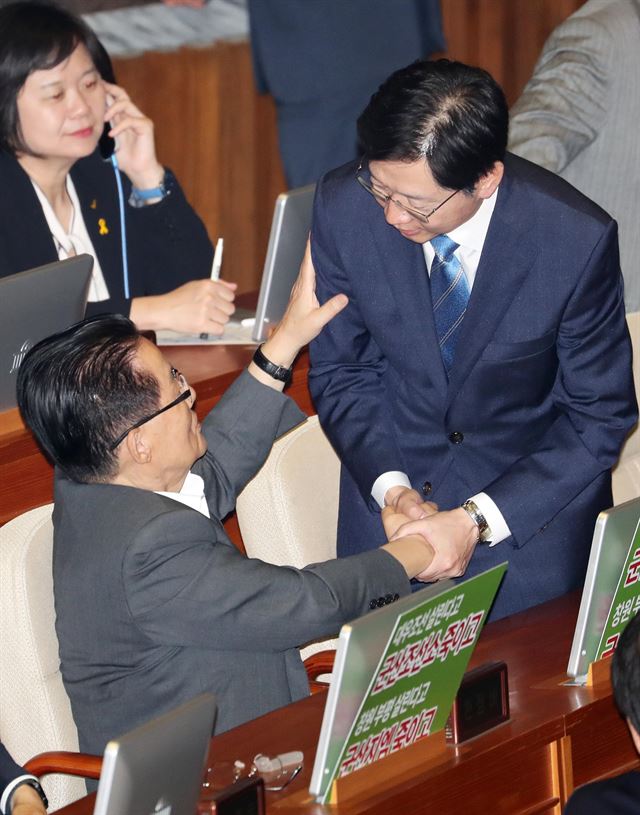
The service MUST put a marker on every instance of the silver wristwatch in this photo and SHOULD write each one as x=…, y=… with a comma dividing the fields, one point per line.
x=484, y=530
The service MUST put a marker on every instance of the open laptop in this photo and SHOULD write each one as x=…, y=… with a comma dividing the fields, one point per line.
x=613, y=535
x=33, y=305
x=287, y=240
x=157, y=769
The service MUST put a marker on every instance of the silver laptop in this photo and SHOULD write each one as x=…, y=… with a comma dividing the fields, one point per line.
x=614, y=531
x=157, y=769
x=289, y=232
x=33, y=305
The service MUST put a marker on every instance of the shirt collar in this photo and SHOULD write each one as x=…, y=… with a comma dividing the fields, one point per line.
x=191, y=494
x=472, y=233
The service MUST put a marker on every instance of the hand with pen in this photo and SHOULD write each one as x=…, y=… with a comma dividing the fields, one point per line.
x=197, y=307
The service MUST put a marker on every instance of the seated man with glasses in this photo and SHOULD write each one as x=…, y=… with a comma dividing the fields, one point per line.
x=483, y=359
x=153, y=603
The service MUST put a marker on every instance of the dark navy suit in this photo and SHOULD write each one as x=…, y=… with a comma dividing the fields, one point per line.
x=540, y=397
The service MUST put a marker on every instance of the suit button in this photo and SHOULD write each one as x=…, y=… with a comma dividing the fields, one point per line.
x=456, y=437
x=373, y=604
x=426, y=488
x=388, y=599
x=380, y=602
x=396, y=596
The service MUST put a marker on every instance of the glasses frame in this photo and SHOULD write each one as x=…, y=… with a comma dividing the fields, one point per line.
x=383, y=200
x=184, y=395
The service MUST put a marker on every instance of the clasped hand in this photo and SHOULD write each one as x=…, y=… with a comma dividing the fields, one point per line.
x=452, y=533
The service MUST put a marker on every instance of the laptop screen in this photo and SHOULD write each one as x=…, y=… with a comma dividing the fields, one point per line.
x=158, y=767
x=33, y=305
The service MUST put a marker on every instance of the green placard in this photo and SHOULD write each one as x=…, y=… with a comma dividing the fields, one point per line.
x=419, y=673
x=626, y=600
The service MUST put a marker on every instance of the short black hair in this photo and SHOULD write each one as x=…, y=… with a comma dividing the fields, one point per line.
x=453, y=115
x=35, y=36
x=78, y=390
x=625, y=673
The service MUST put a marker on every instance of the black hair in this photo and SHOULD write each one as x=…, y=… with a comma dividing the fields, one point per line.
x=625, y=673
x=78, y=390
x=34, y=36
x=452, y=115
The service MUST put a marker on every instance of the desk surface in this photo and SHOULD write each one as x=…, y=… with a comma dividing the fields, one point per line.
x=558, y=737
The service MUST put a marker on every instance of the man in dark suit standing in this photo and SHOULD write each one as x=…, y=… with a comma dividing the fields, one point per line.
x=483, y=360
x=20, y=792
x=619, y=795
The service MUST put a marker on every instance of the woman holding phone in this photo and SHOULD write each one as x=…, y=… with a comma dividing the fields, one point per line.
x=62, y=194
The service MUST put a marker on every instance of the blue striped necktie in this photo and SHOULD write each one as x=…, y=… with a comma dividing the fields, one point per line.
x=449, y=295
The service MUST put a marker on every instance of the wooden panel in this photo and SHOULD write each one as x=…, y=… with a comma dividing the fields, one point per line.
x=600, y=743
x=219, y=137
x=503, y=36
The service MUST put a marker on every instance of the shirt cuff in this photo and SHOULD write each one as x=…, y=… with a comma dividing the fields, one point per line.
x=384, y=482
x=8, y=790
x=499, y=529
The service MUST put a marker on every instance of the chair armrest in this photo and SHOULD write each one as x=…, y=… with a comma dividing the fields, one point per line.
x=65, y=762
x=316, y=665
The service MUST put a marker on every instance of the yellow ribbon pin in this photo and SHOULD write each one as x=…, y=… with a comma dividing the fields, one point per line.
x=102, y=226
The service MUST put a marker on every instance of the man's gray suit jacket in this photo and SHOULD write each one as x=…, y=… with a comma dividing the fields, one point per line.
x=578, y=116
x=155, y=605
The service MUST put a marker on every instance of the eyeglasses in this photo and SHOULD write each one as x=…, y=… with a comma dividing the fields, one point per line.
x=185, y=393
x=383, y=199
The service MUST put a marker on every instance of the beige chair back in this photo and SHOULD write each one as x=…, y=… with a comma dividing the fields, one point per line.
x=288, y=512
x=35, y=713
x=626, y=474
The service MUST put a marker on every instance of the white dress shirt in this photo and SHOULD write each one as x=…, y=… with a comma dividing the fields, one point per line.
x=76, y=241
x=191, y=494
x=470, y=237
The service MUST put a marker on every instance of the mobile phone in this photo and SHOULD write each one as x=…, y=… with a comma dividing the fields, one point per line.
x=106, y=144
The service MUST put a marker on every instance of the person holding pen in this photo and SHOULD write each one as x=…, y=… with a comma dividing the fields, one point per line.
x=60, y=112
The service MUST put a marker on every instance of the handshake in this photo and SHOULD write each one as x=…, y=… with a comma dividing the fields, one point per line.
x=430, y=544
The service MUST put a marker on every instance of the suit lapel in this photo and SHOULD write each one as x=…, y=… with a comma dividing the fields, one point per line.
x=404, y=267
x=508, y=254
x=96, y=188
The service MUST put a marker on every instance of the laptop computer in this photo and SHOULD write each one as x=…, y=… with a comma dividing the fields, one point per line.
x=287, y=240
x=613, y=534
x=157, y=768
x=33, y=305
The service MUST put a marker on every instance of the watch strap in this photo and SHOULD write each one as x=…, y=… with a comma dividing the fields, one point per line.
x=138, y=198
x=278, y=372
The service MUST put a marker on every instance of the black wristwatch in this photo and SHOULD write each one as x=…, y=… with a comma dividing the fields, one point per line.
x=30, y=782
x=278, y=372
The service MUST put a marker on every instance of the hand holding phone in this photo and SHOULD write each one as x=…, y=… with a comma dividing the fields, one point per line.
x=134, y=140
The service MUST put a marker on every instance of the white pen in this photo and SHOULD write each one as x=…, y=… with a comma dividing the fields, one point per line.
x=217, y=260
x=215, y=272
